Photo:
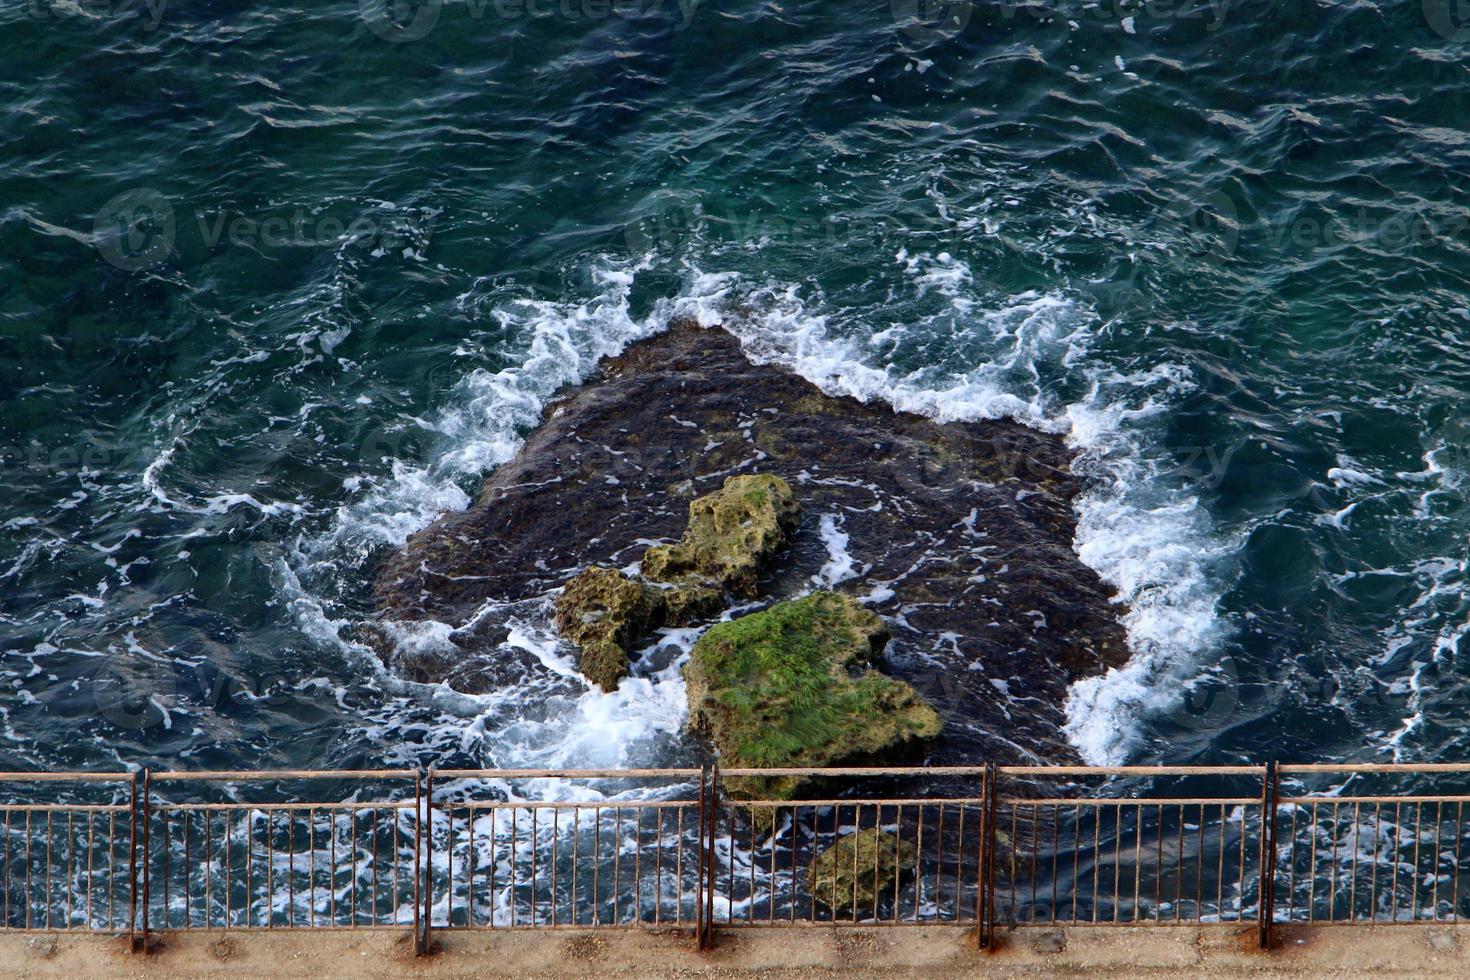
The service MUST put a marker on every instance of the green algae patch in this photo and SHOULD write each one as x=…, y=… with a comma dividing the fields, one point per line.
x=855, y=872
x=792, y=687
x=732, y=535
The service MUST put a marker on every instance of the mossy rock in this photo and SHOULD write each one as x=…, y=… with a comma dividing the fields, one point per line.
x=859, y=869
x=604, y=612
x=791, y=686
x=732, y=535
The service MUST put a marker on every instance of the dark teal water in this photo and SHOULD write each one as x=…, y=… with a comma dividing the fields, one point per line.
x=280, y=282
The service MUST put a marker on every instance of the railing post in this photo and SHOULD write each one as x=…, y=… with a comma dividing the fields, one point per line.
x=422, y=940
x=132, y=863
x=418, y=865
x=985, y=899
x=699, y=862
x=701, y=921
x=1270, y=789
x=147, y=849
x=710, y=862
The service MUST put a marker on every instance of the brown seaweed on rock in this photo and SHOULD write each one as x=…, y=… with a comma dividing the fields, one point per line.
x=958, y=534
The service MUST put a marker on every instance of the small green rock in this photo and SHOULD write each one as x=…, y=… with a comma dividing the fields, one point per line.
x=859, y=869
x=604, y=612
x=791, y=686
x=732, y=534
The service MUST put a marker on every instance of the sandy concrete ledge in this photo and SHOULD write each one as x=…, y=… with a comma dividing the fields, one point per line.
x=1420, y=951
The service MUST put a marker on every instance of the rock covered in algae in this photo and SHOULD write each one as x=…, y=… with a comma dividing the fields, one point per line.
x=732, y=535
x=792, y=686
x=960, y=534
x=860, y=868
x=606, y=613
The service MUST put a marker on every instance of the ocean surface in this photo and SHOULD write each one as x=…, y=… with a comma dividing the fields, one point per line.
x=280, y=282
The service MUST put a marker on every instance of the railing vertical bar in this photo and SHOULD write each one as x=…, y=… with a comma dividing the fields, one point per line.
x=132, y=862
x=714, y=819
x=270, y=867
x=618, y=860
x=555, y=837
x=959, y=863
x=658, y=867
x=1373, y=869
x=1353, y=888
x=1271, y=781
x=26, y=898
x=1117, y=861
x=1312, y=865
x=596, y=866
x=426, y=918
x=699, y=929
x=1414, y=880
x=352, y=885
x=1438, y=853
x=511, y=860
x=754, y=848
x=291, y=871
x=91, y=865
x=1459, y=847
x=418, y=877
x=1291, y=865
x=229, y=883
x=46, y=879
x=985, y=859
x=69, y=856
x=1077, y=859
x=1332, y=882
x=535, y=846
x=1220, y=869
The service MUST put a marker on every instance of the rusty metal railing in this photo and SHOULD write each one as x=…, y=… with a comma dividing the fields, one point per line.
x=598, y=848
x=230, y=856
x=67, y=851
x=994, y=847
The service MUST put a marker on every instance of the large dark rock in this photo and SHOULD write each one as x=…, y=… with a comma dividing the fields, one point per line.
x=959, y=534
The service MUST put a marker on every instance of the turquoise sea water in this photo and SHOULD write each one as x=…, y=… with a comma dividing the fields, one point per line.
x=280, y=282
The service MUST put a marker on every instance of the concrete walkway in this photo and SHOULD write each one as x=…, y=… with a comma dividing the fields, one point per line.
x=816, y=952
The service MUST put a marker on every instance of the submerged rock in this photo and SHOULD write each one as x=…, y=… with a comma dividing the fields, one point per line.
x=860, y=868
x=958, y=534
x=792, y=687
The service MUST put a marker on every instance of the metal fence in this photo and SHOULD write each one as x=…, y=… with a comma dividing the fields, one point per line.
x=996, y=848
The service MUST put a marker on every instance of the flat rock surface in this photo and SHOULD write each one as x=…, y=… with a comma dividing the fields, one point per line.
x=958, y=534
